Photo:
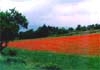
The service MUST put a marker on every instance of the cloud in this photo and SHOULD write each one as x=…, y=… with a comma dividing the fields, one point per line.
x=69, y=1
x=68, y=14
x=56, y=12
x=22, y=5
x=19, y=0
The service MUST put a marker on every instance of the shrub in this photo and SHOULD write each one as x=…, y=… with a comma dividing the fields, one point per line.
x=12, y=53
x=51, y=67
x=9, y=52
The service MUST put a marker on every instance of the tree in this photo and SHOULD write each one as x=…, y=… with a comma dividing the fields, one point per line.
x=83, y=28
x=97, y=26
x=29, y=34
x=91, y=27
x=10, y=23
x=42, y=31
x=62, y=31
x=78, y=28
x=70, y=29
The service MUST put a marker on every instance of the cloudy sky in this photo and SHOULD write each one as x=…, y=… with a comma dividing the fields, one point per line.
x=63, y=13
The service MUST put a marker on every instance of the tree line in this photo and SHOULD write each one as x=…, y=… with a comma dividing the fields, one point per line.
x=45, y=31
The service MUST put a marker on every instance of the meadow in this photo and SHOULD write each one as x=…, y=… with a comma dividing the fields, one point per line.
x=88, y=44
x=58, y=53
x=18, y=59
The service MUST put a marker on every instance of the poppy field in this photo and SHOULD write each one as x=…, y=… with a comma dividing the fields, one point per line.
x=82, y=44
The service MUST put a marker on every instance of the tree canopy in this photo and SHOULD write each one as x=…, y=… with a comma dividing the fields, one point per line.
x=10, y=23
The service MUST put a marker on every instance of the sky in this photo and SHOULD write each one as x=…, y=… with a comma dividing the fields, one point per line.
x=61, y=13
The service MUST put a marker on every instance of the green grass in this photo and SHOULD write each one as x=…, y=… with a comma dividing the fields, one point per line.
x=16, y=59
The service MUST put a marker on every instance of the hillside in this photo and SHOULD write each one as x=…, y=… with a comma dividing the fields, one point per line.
x=88, y=44
x=17, y=59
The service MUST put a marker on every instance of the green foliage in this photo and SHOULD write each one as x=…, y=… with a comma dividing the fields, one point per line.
x=39, y=60
x=42, y=31
x=27, y=34
x=10, y=23
x=70, y=29
x=51, y=67
x=78, y=27
x=46, y=31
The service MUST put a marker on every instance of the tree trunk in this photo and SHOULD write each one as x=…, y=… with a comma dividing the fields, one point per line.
x=2, y=46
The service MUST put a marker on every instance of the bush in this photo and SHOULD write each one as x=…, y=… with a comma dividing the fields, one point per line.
x=51, y=67
x=11, y=60
x=12, y=53
x=9, y=52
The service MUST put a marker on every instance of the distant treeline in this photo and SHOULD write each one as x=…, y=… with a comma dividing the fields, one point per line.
x=45, y=31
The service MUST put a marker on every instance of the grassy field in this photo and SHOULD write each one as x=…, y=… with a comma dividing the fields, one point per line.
x=17, y=59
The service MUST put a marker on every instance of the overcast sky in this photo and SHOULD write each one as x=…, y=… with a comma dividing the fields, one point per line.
x=63, y=13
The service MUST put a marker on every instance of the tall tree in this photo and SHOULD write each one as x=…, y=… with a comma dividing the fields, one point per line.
x=42, y=31
x=70, y=29
x=78, y=28
x=29, y=34
x=10, y=23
